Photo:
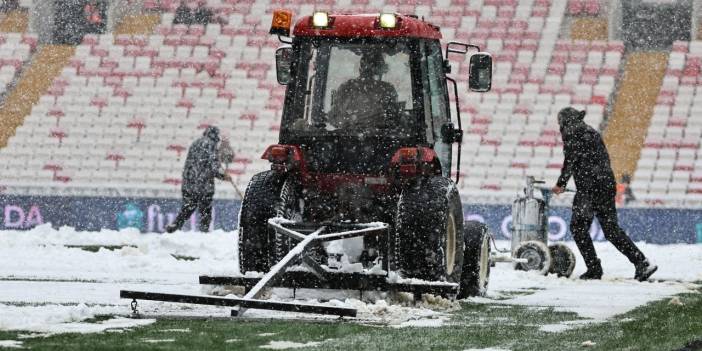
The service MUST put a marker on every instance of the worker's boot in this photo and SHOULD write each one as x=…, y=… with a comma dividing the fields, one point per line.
x=171, y=228
x=594, y=270
x=644, y=270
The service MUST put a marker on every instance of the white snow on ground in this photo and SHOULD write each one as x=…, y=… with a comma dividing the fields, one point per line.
x=50, y=288
x=157, y=341
x=679, y=266
x=284, y=345
x=11, y=344
x=53, y=319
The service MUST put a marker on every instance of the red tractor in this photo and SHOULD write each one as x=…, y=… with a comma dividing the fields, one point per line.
x=367, y=136
x=364, y=163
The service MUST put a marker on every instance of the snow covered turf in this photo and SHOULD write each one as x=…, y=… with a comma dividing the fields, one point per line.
x=56, y=281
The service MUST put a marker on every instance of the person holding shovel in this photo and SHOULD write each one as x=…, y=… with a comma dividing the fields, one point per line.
x=201, y=168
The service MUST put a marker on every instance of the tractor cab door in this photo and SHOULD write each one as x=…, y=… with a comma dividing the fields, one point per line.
x=436, y=101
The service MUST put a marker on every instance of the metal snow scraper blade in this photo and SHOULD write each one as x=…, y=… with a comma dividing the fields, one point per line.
x=296, y=254
x=239, y=302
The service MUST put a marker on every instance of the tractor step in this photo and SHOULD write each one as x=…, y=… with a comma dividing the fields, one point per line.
x=239, y=302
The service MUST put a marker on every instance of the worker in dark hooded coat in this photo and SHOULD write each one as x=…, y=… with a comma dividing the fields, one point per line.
x=587, y=161
x=201, y=168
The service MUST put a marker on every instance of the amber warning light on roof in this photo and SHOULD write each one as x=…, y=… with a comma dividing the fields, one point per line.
x=282, y=21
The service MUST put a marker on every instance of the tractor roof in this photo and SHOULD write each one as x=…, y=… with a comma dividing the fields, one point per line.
x=366, y=25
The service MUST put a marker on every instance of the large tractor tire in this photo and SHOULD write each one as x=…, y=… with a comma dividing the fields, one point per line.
x=289, y=205
x=476, y=260
x=428, y=231
x=255, y=239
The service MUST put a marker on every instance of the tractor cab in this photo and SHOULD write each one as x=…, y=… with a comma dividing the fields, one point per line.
x=362, y=87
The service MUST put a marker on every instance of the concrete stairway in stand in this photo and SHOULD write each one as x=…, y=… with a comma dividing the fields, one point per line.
x=633, y=109
x=37, y=76
x=15, y=21
x=139, y=24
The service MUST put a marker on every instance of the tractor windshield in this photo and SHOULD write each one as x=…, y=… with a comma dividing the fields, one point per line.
x=359, y=87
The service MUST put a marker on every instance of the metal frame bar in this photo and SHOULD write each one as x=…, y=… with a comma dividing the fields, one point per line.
x=289, y=259
x=340, y=281
x=240, y=302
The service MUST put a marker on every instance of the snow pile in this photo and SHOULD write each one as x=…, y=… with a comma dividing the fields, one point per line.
x=45, y=253
x=54, y=319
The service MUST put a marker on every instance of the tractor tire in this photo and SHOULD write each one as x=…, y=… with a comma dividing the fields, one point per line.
x=476, y=260
x=428, y=229
x=290, y=206
x=255, y=239
x=537, y=254
x=287, y=206
x=562, y=260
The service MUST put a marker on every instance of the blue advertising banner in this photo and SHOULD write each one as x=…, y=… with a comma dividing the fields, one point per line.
x=95, y=213
x=653, y=225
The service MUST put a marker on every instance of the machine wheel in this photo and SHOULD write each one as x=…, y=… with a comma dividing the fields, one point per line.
x=537, y=254
x=428, y=229
x=563, y=260
x=256, y=208
x=476, y=260
x=288, y=207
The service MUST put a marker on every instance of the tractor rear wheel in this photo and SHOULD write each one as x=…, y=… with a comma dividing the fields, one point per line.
x=476, y=260
x=429, y=231
x=290, y=205
x=255, y=239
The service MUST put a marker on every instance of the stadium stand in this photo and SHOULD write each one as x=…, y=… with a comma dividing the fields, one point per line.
x=122, y=113
x=670, y=167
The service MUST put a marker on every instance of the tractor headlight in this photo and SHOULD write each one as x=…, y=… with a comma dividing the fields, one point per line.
x=320, y=20
x=388, y=21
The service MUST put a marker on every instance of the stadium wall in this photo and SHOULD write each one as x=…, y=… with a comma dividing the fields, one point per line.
x=653, y=225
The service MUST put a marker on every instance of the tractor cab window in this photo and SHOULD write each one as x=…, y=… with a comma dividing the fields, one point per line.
x=357, y=87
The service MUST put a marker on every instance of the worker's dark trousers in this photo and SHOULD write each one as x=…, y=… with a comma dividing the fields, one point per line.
x=585, y=208
x=191, y=202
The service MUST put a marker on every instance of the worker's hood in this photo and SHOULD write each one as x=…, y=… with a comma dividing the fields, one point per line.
x=212, y=133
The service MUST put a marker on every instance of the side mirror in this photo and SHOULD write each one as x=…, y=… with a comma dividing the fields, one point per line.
x=283, y=61
x=480, y=72
x=451, y=135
